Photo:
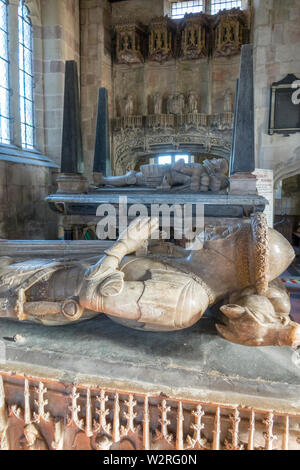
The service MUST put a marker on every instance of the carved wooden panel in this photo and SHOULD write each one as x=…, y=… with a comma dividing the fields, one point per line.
x=230, y=32
x=130, y=42
x=195, y=36
x=40, y=414
x=161, y=39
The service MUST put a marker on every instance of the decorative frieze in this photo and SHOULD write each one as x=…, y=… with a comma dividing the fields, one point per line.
x=161, y=121
x=230, y=32
x=130, y=42
x=194, y=36
x=66, y=417
x=161, y=39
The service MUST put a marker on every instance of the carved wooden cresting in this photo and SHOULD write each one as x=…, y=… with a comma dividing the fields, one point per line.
x=40, y=414
x=195, y=36
x=230, y=32
x=161, y=39
x=130, y=42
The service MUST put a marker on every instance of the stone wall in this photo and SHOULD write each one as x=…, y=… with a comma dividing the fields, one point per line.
x=276, y=53
x=61, y=41
x=96, y=68
x=24, y=213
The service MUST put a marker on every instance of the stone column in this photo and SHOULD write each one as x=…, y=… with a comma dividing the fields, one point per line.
x=102, y=144
x=71, y=179
x=242, y=181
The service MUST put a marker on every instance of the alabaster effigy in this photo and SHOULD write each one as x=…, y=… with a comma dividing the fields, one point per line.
x=211, y=175
x=163, y=291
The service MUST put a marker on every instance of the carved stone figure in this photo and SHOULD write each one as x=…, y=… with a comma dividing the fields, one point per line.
x=211, y=175
x=192, y=103
x=180, y=103
x=228, y=107
x=129, y=106
x=33, y=439
x=170, y=104
x=157, y=102
x=163, y=292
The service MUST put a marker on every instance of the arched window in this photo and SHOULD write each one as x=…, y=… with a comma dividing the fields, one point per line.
x=217, y=5
x=4, y=76
x=26, y=76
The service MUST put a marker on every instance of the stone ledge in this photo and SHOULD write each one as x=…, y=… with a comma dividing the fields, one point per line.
x=192, y=363
x=12, y=154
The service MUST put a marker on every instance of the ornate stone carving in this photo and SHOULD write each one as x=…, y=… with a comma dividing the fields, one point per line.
x=161, y=39
x=193, y=103
x=194, y=36
x=230, y=32
x=129, y=106
x=228, y=104
x=196, y=424
x=157, y=104
x=130, y=42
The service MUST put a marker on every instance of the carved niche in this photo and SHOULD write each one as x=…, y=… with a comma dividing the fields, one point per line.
x=230, y=32
x=130, y=43
x=194, y=36
x=161, y=39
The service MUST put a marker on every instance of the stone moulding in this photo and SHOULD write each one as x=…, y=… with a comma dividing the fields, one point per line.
x=44, y=414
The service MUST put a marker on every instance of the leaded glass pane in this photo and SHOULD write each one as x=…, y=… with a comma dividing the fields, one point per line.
x=217, y=5
x=179, y=9
x=26, y=77
x=4, y=76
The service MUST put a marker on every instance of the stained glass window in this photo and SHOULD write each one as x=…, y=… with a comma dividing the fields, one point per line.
x=4, y=75
x=26, y=77
x=217, y=5
x=179, y=9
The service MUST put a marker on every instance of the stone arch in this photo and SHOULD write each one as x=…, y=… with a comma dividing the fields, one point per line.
x=287, y=169
x=129, y=148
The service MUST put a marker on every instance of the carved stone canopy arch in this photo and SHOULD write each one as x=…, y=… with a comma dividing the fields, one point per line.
x=130, y=146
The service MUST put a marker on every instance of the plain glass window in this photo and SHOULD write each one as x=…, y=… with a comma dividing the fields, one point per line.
x=26, y=77
x=4, y=75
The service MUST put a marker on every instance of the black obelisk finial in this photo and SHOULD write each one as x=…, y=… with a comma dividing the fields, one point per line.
x=102, y=143
x=71, y=152
x=243, y=153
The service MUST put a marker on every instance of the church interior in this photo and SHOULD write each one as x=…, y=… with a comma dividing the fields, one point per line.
x=149, y=225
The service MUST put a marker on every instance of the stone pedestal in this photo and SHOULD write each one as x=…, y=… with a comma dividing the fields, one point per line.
x=243, y=183
x=72, y=183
